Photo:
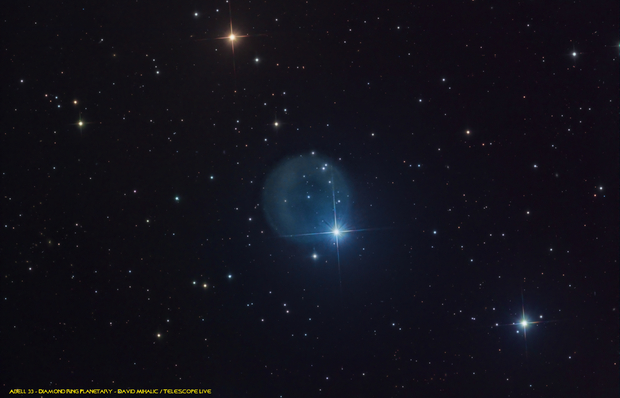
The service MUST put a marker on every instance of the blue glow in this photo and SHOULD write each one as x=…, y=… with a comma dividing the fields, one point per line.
x=302, y=201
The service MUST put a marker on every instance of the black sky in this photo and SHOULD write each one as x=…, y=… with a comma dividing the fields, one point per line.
x=479, y=141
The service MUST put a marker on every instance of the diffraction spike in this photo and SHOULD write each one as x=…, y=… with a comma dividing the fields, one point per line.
x=336, y=230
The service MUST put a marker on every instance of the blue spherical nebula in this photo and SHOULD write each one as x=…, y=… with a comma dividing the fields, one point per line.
x=306, y=198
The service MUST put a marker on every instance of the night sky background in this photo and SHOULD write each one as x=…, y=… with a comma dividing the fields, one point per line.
x=474, y=151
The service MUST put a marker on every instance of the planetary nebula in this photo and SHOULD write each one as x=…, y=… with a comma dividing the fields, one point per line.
x=305, y=197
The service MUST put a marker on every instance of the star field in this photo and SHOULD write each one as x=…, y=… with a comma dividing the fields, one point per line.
x=305, y=199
